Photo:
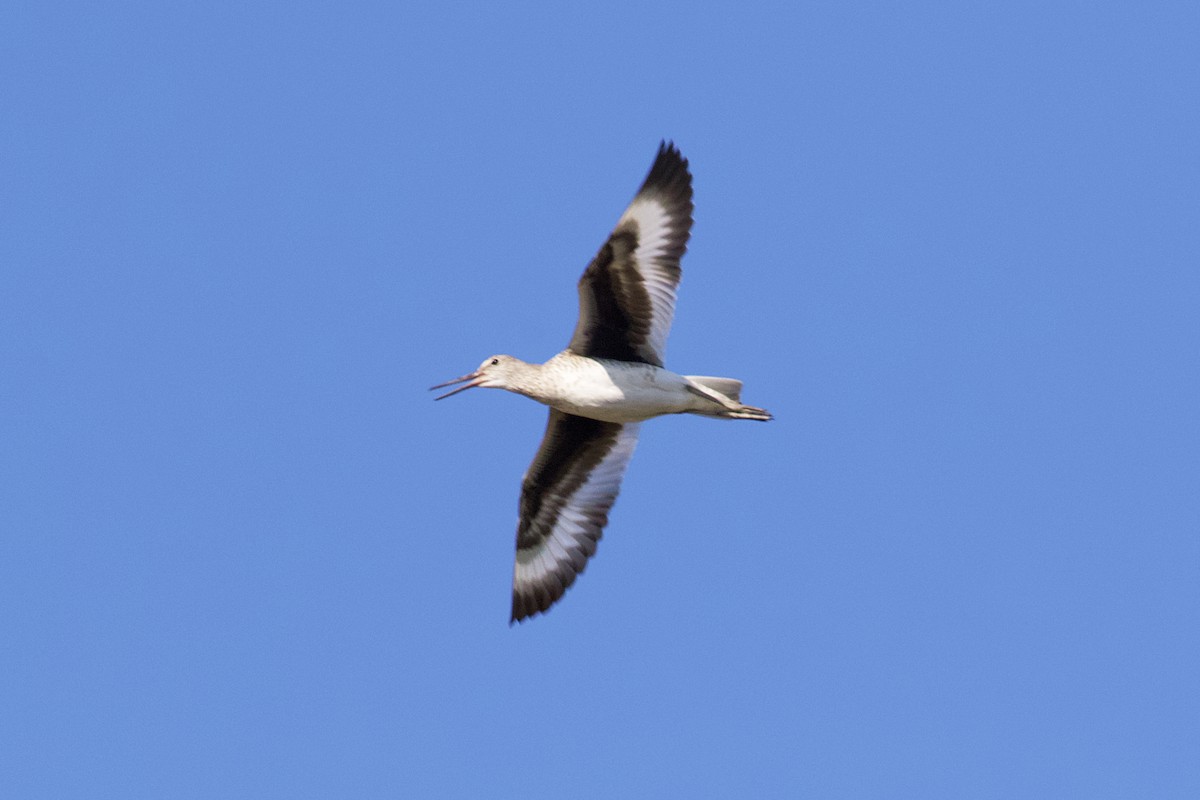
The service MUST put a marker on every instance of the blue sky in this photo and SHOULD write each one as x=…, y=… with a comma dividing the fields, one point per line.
x=953, y=247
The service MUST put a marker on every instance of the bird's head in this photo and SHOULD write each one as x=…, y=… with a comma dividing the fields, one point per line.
x=496, y=372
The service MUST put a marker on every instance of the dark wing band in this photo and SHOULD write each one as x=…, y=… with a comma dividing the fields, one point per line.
x=565, y=499
x=627, y=293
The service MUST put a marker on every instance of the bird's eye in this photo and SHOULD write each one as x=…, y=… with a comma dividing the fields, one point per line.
x=495, y=361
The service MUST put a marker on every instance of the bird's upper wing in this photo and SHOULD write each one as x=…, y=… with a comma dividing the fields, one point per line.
x=565, y=499
x=627, y=293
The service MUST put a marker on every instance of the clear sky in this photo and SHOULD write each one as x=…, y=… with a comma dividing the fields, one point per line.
x=954, y=247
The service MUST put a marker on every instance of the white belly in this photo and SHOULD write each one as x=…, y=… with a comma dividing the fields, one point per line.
x=616, y=391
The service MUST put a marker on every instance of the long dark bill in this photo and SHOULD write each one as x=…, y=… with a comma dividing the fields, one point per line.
x=474, y=381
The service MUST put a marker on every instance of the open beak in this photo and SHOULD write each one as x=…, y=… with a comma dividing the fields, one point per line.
x=471, y=381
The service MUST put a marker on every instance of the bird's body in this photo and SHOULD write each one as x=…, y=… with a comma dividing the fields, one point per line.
x=608, y=380
x=614, y=391
x=617, y=391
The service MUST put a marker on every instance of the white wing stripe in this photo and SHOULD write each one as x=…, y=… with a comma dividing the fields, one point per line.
x=655, y=228
x=568, y=543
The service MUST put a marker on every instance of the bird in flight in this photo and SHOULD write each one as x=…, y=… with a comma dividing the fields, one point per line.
x=600, y=389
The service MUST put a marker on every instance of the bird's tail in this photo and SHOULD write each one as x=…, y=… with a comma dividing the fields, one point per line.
x=726, y=394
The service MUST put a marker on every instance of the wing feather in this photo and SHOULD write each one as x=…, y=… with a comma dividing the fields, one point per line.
x=565, y=498
x=627, y=292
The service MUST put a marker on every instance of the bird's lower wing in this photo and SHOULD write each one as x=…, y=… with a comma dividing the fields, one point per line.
x=565, y=499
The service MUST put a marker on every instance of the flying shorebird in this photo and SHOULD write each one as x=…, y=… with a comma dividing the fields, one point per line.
x=603, y=385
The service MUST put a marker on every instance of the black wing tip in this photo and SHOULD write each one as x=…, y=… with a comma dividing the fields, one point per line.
x=668, y=149
x=669, y=174
x=524, y=608
x=520, y=617
x=541, y=599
